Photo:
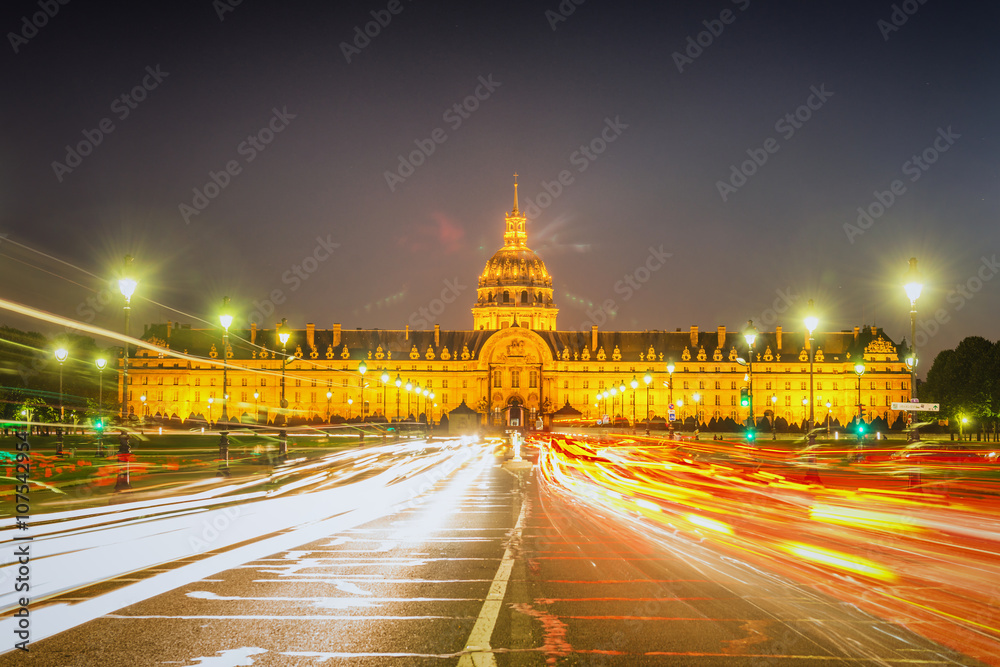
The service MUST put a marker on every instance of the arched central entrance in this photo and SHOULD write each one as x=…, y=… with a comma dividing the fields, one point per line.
x=515, y=413
x=515, y=362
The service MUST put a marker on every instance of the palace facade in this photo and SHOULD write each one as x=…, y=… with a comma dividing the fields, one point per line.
x=514, y=355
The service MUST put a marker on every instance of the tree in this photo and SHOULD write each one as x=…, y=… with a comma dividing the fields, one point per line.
x=966, y=381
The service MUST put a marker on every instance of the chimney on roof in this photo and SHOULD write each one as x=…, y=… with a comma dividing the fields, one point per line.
x=311, y=335
x=407, y=332
x=336, y=334
x=253, y=332
x=694, y=336
x=722, y=337
x=857, y=330
x=169, y=327
x=777, y=336
x=437, y=335
x=593, y=337
x=874, y=331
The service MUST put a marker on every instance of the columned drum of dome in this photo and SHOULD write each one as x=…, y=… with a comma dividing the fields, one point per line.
x=515, y=287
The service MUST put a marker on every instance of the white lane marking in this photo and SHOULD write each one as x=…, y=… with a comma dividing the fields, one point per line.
x=348, y=587
x=238, y=657
x=480, y=652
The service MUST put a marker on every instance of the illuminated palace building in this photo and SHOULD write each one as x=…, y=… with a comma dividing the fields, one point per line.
x=516, y=355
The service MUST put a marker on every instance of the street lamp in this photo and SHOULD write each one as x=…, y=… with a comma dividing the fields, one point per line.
x=774, y=428
x=126, y=285
x=101, y=364
x=225, y=319
x=670, y=380
x=828, y=406
x=362, y=368
x=914, y=285
x=256, y=410
x=398, y=383
x=696, y=397
x=614, y=392
x=409, y=388
x=635, y=385
x=961, y=428
x=811, y=323
x=750, y=334
x=329, y=395
x=385, y=390
x=211, y=400
x=61, y=356
x=859, y=370
x=648, y=379
x=283, y=336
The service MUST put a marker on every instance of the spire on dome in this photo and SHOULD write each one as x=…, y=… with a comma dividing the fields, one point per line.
x=515, y=233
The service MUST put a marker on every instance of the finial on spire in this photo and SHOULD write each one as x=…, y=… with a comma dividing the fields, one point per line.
x=515, y=211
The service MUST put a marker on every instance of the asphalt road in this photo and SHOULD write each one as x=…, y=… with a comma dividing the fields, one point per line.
x=489, y=566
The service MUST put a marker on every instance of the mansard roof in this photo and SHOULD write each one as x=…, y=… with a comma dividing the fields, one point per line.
x=400, y=345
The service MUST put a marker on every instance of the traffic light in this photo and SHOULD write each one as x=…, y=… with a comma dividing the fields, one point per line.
x=751, y=435
x=745, y=397
x=99, y=425
x=861, y=428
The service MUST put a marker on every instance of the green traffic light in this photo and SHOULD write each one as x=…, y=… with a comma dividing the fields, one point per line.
x=744, y=397
x=751, y=435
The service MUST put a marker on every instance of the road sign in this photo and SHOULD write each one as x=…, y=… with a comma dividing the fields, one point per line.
x=672, y=415
x=671, y=406
x=917, y=407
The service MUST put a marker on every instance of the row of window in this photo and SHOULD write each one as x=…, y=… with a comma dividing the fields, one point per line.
x=515, y=379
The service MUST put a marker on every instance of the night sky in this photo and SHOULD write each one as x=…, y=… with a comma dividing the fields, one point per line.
x=645, y=126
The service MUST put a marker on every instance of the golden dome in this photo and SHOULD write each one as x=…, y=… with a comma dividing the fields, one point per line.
x=515, y=266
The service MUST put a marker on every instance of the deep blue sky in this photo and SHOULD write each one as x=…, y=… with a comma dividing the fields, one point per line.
x=323, y=175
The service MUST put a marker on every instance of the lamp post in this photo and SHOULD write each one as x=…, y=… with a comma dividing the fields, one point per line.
x=430, y=397
x=805, y=401
x=696, y=397
x=256, y=410
x=329, y=396
x=774, y=406
x=350, y=402
x=828, y=406
x=362, y=368
x=647, y=379
x=225, y=319
x=961, y=428
x=283, y=336
x=409, y=388
x=211, y=401
x=101, y=364
x=635, y=385
x=670, y=380
x=385, y=390
x=398, y=383
x=811, y=322
x=750, y=334
x=913, y=286
x=61, y=356
x=614, y=392
x=859, y=370
x=126, y=285
x=418, y=392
